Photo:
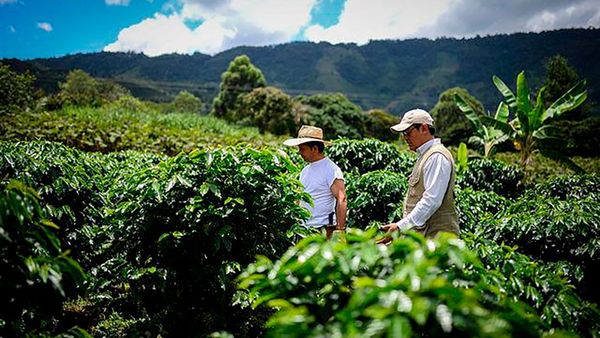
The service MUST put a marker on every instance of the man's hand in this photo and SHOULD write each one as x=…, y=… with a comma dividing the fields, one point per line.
x=391, y=227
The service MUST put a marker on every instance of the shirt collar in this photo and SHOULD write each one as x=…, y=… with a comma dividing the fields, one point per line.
x=425, y=146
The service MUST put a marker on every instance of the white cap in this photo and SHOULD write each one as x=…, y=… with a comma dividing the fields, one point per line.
x=415, y=116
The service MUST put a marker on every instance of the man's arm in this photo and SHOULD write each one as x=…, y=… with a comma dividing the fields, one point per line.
x=338, y=190
x=436, y=177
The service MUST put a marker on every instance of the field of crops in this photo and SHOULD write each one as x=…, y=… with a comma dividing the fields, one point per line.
x=117, y=222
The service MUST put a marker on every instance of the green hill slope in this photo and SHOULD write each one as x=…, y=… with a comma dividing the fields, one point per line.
x=394, y=75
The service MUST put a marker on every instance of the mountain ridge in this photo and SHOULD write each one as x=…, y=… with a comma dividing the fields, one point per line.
x=395, y=75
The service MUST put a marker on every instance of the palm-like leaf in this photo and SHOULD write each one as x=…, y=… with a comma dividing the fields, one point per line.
x=569, y=101
x=509, y=97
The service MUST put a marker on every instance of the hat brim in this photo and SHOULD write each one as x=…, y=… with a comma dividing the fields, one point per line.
x=300, y=140
x=400, y=127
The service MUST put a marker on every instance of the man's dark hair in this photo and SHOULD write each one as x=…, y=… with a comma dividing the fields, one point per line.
x=431, y=128
x=317, y=144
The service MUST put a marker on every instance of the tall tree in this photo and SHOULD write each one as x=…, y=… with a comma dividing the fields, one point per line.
x=240, y=78
x=15, y=89
x=269, y=109
x=560, y=77
x=451, y=124
x=337, y=115
x=186, y=102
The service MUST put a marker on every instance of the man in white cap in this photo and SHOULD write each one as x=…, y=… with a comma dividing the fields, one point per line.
x=429, y=204
x=322, y=179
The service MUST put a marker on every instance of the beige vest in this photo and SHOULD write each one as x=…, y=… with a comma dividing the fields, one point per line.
x=445, y=217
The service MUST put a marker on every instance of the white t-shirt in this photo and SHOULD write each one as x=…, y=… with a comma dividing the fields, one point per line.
x=317, y=178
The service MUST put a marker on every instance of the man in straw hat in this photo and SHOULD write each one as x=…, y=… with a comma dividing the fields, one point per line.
x=429, y=203
x=322, y=179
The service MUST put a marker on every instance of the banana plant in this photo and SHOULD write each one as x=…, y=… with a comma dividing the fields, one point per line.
x=530, y=126
x=486, y=136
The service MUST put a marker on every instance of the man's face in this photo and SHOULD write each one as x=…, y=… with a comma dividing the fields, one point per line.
x=309, y=154
x=415, y=136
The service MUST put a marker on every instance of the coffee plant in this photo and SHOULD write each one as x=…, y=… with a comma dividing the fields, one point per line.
x=375, y=196
x=492, y=175
x=413, y=287
x=37, y=273
x=362, y=156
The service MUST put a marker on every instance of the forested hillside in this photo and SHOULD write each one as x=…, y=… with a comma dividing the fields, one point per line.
x=393, y=75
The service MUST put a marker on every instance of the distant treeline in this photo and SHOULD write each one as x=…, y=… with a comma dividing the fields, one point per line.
x=392, y=75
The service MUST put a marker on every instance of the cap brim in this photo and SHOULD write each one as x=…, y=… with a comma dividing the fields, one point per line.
x=400, y=127
x=297, y=141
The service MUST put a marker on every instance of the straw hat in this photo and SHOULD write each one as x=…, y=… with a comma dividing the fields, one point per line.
x=307, y=134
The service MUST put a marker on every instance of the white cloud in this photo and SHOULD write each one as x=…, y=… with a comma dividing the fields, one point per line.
x=211, y=26
x=44, y=26
x=472, y=17
x=11, y=29
x=3, y=2
x=117, y=2
x=222, y=25
x=362, y=20
x=154, y=36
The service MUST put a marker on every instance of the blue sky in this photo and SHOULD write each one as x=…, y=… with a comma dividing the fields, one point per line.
x=46, y=28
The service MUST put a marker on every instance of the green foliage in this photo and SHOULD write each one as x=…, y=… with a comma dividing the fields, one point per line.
x=37, y=274
x=451, y=124
x=550, y=229
x=474, y=206
x=375, y=196
x=530, y=125
x=116, y=128
x=560, y=77
x=548, y=288
x=80, y=89
x=492, y=175
x=269, y=109
x=462, y=159
x=413, y=287
x=334, y=113
x=182, y=229
x=16, y=90
x=486, y=136
x=362, y=156
x=240, y=78
x=569, y=187
x=186, y=102
x=379, y=123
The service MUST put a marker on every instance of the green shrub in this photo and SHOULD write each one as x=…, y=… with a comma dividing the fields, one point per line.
x=114, y=128
x=474, y=207
x=182, y=229
x=37, y=275
x=492, y=175
x=451, y=123
x=362, y=156
x=186, y=102
x=269, y=109
x=81, y=89
x=334, y=113
x=548, y=288
x=413, y=287
x=550, y=229
x=379, y=123
x=16, y=90
x=375, y=196
x=569, y=187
